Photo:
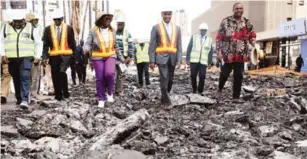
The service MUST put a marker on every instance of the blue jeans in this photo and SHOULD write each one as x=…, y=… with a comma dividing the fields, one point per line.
x=20, y=70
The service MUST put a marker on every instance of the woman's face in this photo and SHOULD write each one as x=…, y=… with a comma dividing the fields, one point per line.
x=106, y=20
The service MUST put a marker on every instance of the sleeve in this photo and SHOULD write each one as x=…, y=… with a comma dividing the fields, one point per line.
x=118, y=53
x=89, y=41
x=2, y=51
x=72, y=40
x=46, y=44
x=38, y=43
x=251, y=32
x=153, y=45
x=189, y=49
x=179, y=46
x=210, y=56
x=220, y=36
x=130, y=46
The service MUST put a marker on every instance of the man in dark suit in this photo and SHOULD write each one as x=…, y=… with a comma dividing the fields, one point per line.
x=59, y=38
x=81, y=62
x=165, y=51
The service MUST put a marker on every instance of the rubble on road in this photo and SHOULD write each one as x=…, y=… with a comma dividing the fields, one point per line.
x=271, y=122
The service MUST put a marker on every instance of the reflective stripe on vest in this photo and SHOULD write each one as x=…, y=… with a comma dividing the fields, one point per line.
x=62, y=48
x=200, y=51
x=19, y=44
x=125, y=40
x=166, y=46
x=142, y=54
x=103, y=51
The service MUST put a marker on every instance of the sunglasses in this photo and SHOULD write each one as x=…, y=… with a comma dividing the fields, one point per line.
x=107, y=18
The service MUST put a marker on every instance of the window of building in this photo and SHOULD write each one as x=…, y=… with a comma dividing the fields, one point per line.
x=18, y=4
x=301, y=2
x=289, y=19
x=3, y=5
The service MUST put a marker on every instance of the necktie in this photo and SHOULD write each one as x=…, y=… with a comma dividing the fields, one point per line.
x=58, y=34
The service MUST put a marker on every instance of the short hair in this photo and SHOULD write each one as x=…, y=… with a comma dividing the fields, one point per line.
x=236, y=4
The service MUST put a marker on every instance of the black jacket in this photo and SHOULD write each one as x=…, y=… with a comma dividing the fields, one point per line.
x=47, y=41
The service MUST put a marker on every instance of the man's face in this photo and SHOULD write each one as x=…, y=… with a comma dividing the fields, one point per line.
x=58, y=21
x=120, y=26
x=238, y=10
x=167, y=16
x=34, y=22
x=106, y=20
x=18, y=24
x=142, y=44
x=203, y=32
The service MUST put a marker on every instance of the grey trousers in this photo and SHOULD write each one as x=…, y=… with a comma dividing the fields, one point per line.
x=35, y=76
x=120, y=77
x=166, y=81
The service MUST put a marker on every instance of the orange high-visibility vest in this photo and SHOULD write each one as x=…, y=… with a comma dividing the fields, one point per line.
x=103, y=51
x=59, y=48
x=167, y=46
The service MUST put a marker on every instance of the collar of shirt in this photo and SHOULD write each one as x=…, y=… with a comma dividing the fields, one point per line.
x=168, y=27
x=234, y=19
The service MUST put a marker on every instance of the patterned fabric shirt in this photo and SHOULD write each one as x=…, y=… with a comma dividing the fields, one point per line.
x=233, y=37
x=121, y=45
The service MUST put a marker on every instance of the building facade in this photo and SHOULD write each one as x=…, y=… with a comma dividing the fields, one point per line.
x=266, y=17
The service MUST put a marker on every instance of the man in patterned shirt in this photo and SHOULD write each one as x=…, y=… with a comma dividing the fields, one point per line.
x=232, y=39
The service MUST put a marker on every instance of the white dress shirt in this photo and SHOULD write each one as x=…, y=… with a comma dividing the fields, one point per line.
x=169, y=29
x=38, y=44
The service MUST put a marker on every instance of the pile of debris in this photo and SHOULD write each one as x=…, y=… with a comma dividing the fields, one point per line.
x=270, y=123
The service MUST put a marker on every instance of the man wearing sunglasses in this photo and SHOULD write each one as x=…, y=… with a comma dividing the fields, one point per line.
x=59, y=49
x=165, y=51
x=126, y=48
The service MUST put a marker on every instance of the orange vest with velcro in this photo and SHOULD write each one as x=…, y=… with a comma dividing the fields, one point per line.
x=167, y=46
x=59, y=48
x=103, y=51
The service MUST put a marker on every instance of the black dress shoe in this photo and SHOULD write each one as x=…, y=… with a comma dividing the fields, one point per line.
x=18, y=102
x=3, y=100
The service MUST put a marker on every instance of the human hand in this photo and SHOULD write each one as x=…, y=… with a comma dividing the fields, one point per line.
x=5, y=60
x=152, y=65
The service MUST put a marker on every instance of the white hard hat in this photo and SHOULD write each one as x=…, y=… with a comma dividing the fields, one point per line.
x=17, y=15
x=167, y=9
x=203, y=26
x=36, y=16
x=120, y=20
x=57, y=13
x=141, y=41
x=8, y=15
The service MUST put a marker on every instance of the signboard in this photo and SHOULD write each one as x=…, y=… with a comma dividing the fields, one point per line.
x=304, y=55
x=293, y=28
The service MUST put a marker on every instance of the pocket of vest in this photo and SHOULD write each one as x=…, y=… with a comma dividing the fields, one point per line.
x=25, y=35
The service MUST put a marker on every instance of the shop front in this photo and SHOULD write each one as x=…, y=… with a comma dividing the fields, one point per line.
x=290, y=46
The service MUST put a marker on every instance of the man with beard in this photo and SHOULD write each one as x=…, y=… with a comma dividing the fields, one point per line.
x=232, y=40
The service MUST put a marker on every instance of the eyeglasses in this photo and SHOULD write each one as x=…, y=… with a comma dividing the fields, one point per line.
x=107, y=18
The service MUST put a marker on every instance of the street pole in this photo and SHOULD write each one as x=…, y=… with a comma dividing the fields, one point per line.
x=44, y=13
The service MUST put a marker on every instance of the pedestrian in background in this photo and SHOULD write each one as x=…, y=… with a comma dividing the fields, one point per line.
x=142, y=62
x=199, y=57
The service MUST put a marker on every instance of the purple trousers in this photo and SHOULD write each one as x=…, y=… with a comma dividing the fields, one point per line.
x=105, y=72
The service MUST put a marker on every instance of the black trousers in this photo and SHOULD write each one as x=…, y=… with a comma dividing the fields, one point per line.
x=59, y=65
x=73, y=71
x=166, y=81
x=143, y=67
x=198, y=68
x=238, y=69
